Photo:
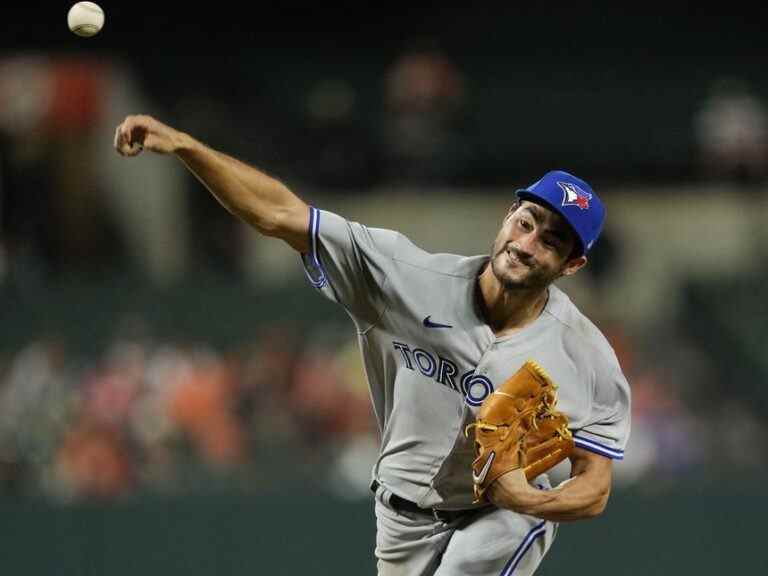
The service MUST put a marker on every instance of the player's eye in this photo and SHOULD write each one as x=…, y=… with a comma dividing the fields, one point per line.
x=551, y=241
x=525, y=225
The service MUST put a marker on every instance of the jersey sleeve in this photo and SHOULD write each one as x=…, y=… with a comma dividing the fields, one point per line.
x=349, y=263
x=608, y=429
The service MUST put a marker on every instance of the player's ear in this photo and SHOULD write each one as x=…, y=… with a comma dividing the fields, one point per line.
x=574, y=265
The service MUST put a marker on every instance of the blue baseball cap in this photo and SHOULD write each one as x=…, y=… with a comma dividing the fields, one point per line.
x=574, y=200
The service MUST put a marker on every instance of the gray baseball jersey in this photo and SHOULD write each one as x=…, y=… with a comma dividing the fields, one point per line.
x=431, y=359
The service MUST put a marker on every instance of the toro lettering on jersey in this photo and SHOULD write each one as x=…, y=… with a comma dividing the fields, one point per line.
x=473, y=387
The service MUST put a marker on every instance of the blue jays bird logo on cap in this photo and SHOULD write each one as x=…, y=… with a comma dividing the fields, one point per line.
x=574, y=196
x=560, y=191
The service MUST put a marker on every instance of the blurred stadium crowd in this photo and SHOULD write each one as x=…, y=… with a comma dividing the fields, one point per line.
x=69, y=205
x=169, y=417
x=148, y=414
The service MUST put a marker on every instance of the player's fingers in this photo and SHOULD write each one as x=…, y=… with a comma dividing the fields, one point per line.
x=121, y=141
x=140, y=132
x=121, y=136
x=125, y=148
x=129, y=136
x=133, y=149
x=116, y=140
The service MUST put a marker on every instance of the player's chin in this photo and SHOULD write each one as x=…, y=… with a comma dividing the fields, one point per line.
x=515, y=281
x=511, y=274
x=529, y=280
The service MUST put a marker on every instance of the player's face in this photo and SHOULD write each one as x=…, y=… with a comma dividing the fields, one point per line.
x=533, y=248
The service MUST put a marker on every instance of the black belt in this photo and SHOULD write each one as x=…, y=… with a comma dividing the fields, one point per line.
x=399, y=504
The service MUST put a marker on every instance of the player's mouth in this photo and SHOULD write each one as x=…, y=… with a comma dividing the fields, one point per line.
x=514, y=260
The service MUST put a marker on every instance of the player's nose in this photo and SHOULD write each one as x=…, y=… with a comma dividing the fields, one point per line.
x=526, y=244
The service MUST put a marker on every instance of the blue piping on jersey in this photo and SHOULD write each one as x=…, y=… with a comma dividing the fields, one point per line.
x=598, y=448
x=314, y=227
x=535, y=532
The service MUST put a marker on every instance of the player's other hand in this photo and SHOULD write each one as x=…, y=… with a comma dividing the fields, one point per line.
x=513, y=492
x=138, y=133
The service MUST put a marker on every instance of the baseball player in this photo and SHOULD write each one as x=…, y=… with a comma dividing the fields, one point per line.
x=439, y=334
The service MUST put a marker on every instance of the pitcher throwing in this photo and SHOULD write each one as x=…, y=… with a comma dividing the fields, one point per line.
x=445, y=339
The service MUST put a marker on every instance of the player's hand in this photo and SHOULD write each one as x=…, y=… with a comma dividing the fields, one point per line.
x=513, y=492
x=138, y=133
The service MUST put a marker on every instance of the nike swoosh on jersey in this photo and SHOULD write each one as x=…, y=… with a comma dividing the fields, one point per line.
x=480, y=478
x=429, y=324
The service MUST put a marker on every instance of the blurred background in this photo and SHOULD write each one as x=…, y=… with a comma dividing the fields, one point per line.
x=174, y=397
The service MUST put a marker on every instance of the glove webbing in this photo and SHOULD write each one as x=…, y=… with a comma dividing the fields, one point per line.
x=543, y=409
x=505, y=438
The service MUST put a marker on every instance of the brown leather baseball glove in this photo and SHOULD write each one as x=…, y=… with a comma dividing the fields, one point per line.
x=518, y=426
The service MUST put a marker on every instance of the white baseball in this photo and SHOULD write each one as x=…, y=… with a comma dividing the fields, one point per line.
x=85, y=18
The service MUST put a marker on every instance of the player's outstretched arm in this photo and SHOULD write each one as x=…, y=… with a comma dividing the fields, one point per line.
x=258, y=199
x=584, y=495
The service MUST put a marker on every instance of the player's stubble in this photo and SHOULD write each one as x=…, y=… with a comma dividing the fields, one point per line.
x=517, y=271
